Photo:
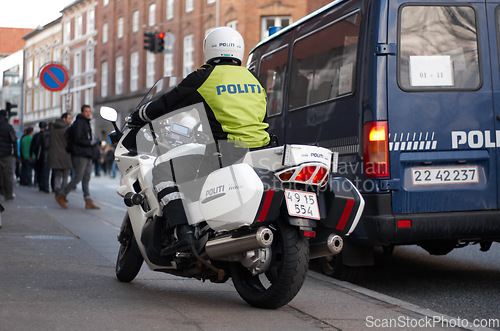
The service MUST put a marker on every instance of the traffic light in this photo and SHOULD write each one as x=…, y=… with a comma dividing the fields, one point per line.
x=8, y=107
x=160, y=42
x=150, y=41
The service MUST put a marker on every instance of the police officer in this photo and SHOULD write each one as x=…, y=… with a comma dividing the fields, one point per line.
x=235, y=103
x=8, y=153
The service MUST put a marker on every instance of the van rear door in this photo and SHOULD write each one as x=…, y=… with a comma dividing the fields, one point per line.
x=493, y=19
x=441, y=117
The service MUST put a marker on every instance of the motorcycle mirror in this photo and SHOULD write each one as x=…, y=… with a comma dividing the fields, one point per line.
x=108, y=114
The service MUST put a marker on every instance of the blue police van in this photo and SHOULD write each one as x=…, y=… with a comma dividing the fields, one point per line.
x=408, y=93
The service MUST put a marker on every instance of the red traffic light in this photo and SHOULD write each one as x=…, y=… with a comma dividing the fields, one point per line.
x=161, y=35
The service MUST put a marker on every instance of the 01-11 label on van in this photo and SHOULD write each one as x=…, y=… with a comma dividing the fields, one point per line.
x=444, y=175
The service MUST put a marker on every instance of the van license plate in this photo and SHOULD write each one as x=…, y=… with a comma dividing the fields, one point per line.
x=445, y=175
x=302, y=204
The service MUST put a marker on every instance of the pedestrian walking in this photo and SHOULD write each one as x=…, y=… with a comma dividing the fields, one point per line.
x=40, y=147
x=84, y=149
x=108, y=157
x=8, y=153
x=27, y=159
x=59, y=158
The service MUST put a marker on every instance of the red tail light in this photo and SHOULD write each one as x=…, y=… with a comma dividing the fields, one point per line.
x=309, y=174
x=305, y=174
x=376, y=149
x=285, y=176
x=318, y=178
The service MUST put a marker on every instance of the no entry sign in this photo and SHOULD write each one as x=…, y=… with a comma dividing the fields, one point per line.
x=54, y=77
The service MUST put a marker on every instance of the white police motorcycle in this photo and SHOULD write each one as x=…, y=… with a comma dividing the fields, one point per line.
x=258, y=216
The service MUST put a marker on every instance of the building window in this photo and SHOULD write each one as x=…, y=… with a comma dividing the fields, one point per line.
x=150, y=69
x=232, y=24
x=135, y=21
x=188, y=55
x=56, y=96
x=36, y=101
x=47, y=99
x=77, y=64
x=79, y=27
x=77, y=102
x=67, y=32
x=29, y=101
x=105, y=3
x=120, y=28
x=270, y=21
x=170, y=9
x=152, y=14
x=105, y=33
x=104, y=79
x=87, y=97
x=89, y=60
x=209, y=2
x=189, y=6
x=90, y=21
x=168, y=64
x=134, y=71
x=119, y=75
x=29, y=69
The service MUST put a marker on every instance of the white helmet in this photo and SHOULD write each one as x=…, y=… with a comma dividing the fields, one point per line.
x=223, y=42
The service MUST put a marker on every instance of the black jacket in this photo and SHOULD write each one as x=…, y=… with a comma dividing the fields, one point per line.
x=59, y=158
x=233, y=97
x=8, y=139
x=80, y=136
x=40, y=146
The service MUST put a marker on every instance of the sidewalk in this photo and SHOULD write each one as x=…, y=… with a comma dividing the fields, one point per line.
x=47, y=258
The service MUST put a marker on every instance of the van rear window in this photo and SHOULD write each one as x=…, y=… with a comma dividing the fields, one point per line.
x=438, y=48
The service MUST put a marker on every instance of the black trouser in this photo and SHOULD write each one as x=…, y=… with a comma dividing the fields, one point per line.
x=179, y=179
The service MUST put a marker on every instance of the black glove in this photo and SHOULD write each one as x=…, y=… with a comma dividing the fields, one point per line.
x=137, y=118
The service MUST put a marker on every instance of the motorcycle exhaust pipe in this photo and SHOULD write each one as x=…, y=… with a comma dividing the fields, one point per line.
x=332, y=246
x=225, y=247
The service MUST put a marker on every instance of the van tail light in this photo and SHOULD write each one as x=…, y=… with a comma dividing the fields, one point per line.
x=376, y=149
x=306, y=174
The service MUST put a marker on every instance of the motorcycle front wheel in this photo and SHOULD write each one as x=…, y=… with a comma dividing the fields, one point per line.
x=284, y=277
x=129, y=260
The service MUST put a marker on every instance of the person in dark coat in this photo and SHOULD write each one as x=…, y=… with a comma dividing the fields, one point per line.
x=40, y=147
x=27, y=159
x=8, y=152
x=59, y=159
x=83, y=150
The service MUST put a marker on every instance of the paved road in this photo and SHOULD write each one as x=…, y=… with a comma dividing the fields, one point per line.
x=57, y=273
x=464, y=283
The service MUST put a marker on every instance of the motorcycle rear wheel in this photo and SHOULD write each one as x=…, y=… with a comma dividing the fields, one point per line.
x=285, y=276
x=129, y=260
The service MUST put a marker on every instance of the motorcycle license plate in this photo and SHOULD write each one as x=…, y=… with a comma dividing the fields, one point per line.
x=302, y=204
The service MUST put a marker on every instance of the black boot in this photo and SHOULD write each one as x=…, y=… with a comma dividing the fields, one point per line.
x=183, y=237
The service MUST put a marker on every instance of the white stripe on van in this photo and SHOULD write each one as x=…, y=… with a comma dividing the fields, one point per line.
x=408, y=141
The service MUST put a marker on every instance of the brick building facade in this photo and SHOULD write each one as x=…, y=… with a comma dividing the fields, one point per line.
x=42, y=46
x=125, y=70
x=101, y=42
x=79, y=34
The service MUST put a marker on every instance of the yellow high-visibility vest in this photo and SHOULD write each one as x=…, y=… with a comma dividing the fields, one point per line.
x=230, y=91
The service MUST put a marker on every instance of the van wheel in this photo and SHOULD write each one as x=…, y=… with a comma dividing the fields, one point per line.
x=333, y=266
